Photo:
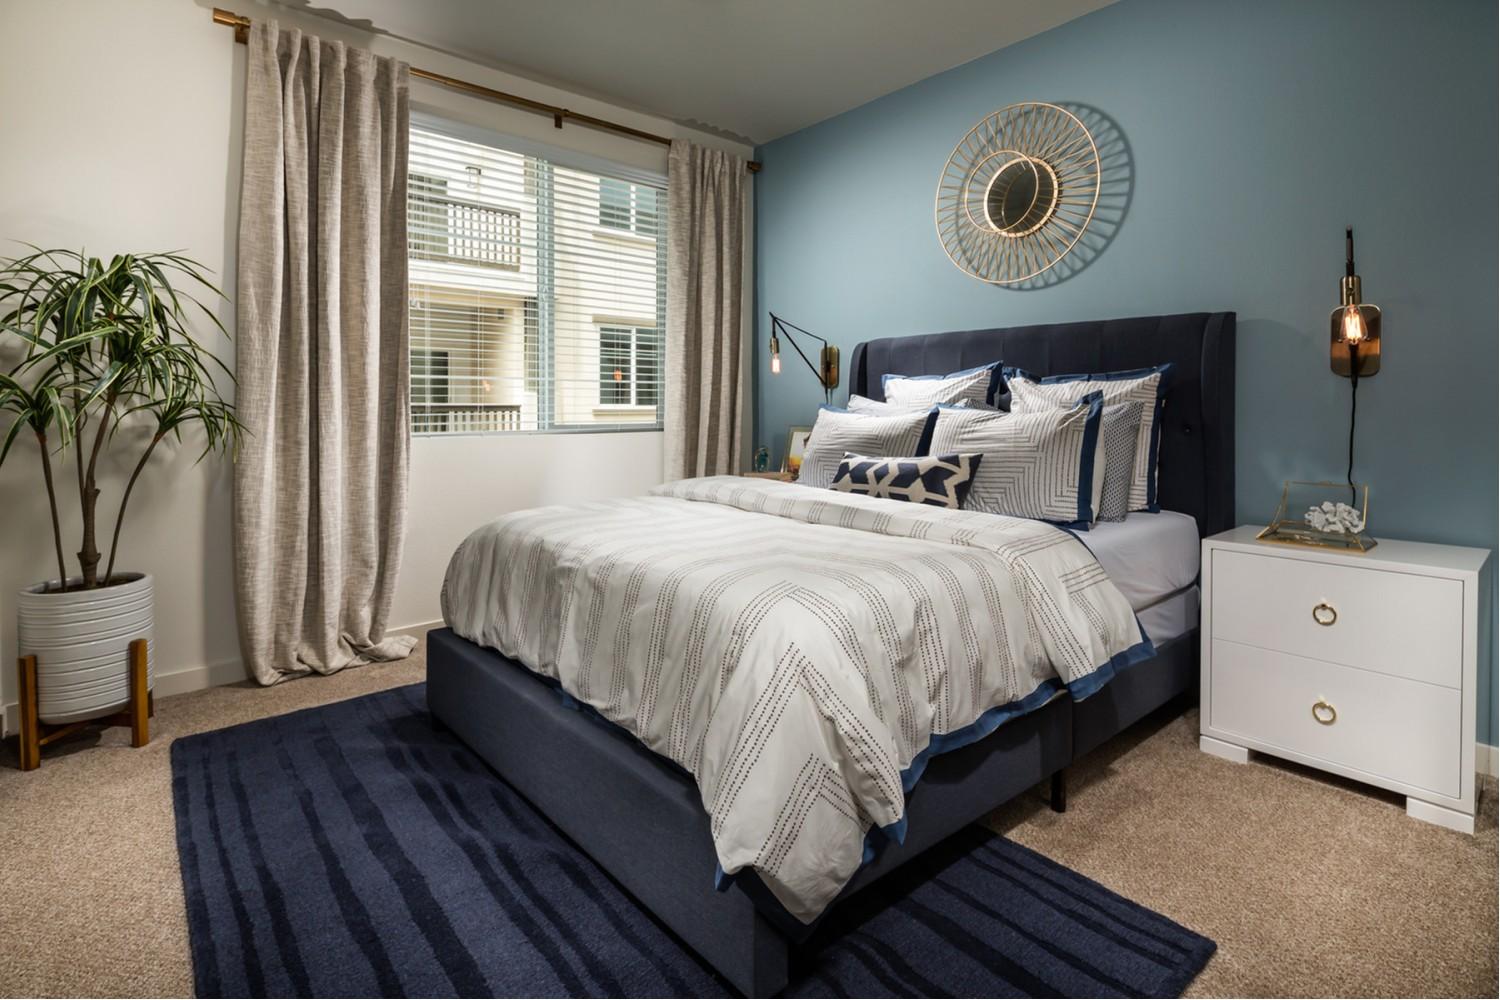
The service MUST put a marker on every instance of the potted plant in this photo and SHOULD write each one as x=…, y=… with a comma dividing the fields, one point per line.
x=95, y=357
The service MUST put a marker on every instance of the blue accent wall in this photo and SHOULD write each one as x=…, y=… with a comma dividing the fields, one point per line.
x=1258, y=131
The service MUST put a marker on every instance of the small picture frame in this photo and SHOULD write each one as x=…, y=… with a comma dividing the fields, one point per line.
x=796, y=447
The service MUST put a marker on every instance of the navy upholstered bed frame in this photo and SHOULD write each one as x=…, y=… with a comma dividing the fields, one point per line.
x=640, y=817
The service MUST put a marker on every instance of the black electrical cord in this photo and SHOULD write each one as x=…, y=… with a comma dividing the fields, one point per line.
x=1353, y=412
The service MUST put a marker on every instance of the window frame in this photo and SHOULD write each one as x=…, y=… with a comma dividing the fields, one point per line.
x=602, y=167
x=637, y=334
x=629, y=223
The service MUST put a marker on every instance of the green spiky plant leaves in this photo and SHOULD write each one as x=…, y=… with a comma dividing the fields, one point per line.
x=98, y=346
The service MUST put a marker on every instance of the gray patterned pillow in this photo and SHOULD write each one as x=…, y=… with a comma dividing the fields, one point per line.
x=1046, y=465
x=836, y=432
x=864, y=404
x=1029, y=393
x=1122, y=427
x=974, y=387
x=936, y=480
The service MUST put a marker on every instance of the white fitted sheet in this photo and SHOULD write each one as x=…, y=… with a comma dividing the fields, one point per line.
x=1171, y=616
x=1153, y=559
x=1148, y=556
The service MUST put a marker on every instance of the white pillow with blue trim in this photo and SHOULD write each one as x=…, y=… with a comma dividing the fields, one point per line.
x=836, y=432
x=1047, y=465
x=1147, y=386
x=864, y=404
x=972, y=387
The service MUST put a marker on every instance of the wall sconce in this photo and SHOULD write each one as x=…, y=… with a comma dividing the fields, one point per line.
x=827, y=368
x=1353, y=342
x=1354, y=327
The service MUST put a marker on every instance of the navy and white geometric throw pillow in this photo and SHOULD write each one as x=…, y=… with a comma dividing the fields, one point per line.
x=937, y=480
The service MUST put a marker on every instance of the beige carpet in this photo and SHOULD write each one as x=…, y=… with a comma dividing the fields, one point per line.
x=1311, y=887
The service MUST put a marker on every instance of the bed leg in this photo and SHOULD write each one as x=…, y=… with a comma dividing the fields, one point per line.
x=1060, y=791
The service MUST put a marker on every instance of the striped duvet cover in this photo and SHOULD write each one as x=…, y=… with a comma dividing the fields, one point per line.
x=800, y=652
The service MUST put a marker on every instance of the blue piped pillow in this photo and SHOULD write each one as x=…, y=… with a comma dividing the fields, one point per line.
x=972, y=387
x=1147, y=386
x=1045, y=465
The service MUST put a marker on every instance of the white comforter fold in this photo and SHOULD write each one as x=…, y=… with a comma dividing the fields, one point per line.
x=795, y=650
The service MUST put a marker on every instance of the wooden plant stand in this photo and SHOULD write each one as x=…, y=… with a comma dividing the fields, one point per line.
x=36, y=734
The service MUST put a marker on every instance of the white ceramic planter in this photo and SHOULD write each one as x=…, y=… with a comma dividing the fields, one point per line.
x=81, y=641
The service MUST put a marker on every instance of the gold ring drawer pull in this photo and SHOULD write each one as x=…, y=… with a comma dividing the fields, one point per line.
x=1325, y=613
x=1325, y=713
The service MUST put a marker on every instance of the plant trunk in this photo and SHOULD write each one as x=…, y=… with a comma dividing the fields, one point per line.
x=79, y=423
x=88, y=553
x=114, y=543
x=62, y=563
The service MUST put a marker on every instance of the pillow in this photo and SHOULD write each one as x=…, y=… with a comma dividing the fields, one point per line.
x=838, y=431
x=1120, y=429
x=864, y=404
x=1146, y=386
x=975, y=386
x=938, y=480
x=1045, y=465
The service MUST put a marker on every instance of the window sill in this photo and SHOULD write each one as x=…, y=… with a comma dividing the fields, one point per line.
x=622, y=410
x=627, y=236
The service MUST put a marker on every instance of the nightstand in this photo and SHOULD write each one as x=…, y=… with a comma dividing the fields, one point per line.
x=1360, y=664
x=781, y=477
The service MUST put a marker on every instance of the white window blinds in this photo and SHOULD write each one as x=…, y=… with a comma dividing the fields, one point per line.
x=538, y=291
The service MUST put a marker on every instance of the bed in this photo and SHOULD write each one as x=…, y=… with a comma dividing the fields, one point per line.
x=641, y=818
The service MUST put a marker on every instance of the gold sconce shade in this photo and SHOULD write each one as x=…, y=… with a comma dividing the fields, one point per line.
x=1018, y=193
x=1354, y=334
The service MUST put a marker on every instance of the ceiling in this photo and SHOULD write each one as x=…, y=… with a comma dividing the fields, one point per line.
x=748, y=69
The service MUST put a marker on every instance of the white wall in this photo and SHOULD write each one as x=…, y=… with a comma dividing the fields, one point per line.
x=121, y=129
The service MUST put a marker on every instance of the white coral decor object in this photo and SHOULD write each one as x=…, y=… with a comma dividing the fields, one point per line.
x=1335, y=518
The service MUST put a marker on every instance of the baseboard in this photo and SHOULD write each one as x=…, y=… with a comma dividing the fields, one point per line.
x=164, y=684
x=1487, y=759
x=435, y=623
x=188, y=679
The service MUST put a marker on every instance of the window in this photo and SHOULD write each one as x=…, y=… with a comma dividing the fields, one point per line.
x=429, y=387
x=627, y=366
x=526, y=313
x=631, y=207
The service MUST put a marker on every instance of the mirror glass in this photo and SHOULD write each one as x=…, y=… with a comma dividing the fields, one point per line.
x=1021, y=196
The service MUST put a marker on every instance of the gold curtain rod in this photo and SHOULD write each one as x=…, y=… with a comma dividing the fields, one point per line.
x=241, y=26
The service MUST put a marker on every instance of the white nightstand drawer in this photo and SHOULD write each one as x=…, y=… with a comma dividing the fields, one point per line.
x=1396, y=623
x=1391, y=727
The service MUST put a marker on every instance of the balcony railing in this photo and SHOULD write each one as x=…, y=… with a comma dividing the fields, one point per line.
x=464, y=418
x=465, y=232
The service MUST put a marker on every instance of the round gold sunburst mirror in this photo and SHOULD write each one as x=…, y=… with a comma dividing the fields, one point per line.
x=1018, y=193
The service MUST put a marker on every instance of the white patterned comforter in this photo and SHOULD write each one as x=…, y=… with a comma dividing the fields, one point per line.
x=795, y=650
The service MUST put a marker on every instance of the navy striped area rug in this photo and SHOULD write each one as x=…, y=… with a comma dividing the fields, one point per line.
x=354, y=850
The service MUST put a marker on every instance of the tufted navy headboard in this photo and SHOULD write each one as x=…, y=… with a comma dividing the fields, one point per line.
x=1197, y=441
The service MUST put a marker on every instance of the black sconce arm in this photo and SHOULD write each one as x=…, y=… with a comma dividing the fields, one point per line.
x=827, y=371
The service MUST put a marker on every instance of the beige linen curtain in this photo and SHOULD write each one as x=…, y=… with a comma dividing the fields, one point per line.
x=703, y=412
x=320, y=483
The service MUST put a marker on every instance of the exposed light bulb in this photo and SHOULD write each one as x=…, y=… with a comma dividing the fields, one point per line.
x=1354, y=325
x=775, y=364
